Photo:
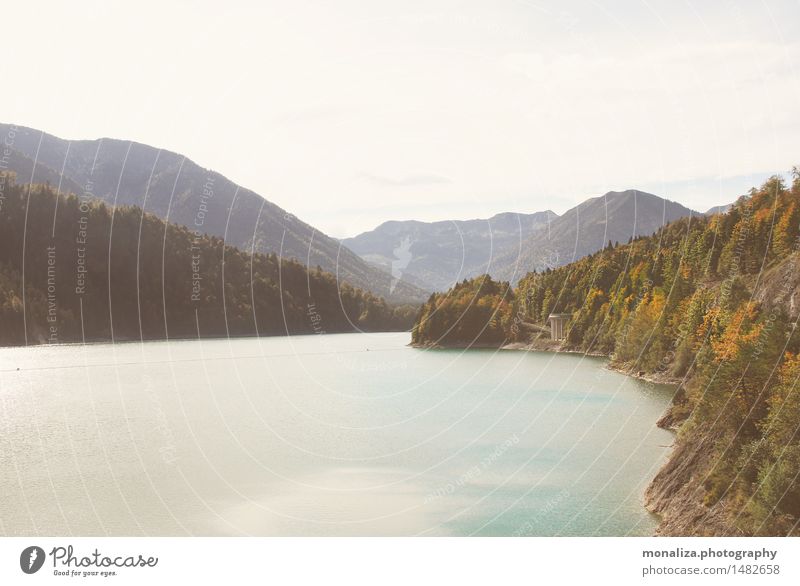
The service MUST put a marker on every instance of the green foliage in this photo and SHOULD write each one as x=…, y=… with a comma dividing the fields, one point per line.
x=96, y=273
x=475, y=311
x=775, y=503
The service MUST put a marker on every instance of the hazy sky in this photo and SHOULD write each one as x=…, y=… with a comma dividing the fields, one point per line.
x=349, y=113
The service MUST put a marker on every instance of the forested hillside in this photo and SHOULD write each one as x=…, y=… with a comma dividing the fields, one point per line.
x=91, y=272
x=711, y=303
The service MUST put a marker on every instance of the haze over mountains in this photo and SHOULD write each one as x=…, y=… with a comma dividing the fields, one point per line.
x=173, y=187
x=507, y=246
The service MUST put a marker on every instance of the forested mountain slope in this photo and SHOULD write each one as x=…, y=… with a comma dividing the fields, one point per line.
x=75, y=269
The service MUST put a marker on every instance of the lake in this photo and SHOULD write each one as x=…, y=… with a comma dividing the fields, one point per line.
x=348, y=434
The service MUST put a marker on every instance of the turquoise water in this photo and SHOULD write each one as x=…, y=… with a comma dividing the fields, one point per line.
x=351, y=434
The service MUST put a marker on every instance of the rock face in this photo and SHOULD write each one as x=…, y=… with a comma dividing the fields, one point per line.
x=176, y=189
x=780, y=287
x=676, y=495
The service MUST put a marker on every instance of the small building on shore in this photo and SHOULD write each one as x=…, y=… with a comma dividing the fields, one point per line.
x=558, y=322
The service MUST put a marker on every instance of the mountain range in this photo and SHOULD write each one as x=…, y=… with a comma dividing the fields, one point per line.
x=507, y=246
x=176, y=189
x=402, y=261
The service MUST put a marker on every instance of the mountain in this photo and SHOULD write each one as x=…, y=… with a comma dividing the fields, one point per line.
x=438, y=254
x=78, y=271
x=720, y=209
x=709, y=303
x=176, y=189
x=435, y=255
x=616, y=216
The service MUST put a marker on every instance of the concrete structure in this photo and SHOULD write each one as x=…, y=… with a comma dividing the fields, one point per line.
x=557, y=322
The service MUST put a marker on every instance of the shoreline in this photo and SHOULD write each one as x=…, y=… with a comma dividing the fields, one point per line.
x=98, y=342
x=555, y=349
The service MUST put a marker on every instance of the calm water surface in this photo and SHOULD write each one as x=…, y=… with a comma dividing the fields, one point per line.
x=351, y=434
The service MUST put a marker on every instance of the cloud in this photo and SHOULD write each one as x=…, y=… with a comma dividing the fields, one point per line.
x=412, y=180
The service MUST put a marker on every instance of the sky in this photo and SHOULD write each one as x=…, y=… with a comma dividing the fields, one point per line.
x=349, y=113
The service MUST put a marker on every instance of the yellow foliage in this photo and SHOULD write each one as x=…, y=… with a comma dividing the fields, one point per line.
x=738, y=333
